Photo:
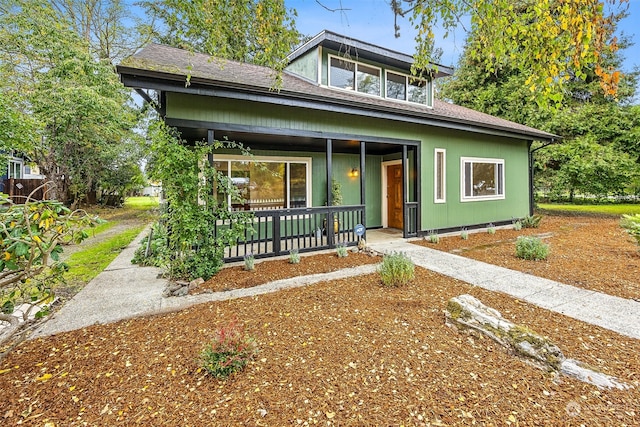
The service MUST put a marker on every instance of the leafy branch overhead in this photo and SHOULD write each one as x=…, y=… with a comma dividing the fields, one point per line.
x=549, y=41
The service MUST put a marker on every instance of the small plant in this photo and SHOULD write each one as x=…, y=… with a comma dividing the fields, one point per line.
x=341, y=250
x=491, y=229
x=531, y=248
x=433, y=237
x=249, y=262
x=531, y=221
x=294, y=257
x=464, y=234
x=517, y=225
x=396, y=269
x=631, y=223
x=229, y=352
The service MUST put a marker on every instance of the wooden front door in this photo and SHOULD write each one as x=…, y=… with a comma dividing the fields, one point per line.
x=394, y=197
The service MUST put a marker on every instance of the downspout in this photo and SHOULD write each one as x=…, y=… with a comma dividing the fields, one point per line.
x=531, y=191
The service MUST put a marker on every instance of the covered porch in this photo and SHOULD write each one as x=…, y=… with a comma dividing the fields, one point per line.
x=380, y=176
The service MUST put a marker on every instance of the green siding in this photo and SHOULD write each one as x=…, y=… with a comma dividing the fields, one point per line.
x=306, y=65
x=453, y=213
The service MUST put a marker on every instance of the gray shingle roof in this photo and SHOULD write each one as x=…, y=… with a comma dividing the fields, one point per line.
x=175, y=65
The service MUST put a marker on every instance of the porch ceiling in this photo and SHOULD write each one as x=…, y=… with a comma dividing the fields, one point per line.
x=285, y=142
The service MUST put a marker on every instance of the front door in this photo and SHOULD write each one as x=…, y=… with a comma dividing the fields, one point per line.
x=394, y=197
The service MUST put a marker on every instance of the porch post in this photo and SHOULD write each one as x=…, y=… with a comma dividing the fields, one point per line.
x=405, y=188
x=418, y=187
x=363, y=146
x=330, y=214
x=210, y=139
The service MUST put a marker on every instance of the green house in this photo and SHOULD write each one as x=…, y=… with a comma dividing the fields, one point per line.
x=347, y=114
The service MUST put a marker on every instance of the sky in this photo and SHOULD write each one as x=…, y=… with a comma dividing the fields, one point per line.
x=372, y=21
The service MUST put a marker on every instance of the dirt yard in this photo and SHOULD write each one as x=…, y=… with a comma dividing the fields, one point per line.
x=348, y=352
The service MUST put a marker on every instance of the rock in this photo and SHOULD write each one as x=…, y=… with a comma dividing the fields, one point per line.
x=183, y=291
x=195, y=283
x=175, y=286
x=467, y=313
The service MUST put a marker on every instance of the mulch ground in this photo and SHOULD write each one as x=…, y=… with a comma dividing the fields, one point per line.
x=346, y=352
x=587, y=252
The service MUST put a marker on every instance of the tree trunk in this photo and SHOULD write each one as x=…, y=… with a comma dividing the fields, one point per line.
x=467, y=313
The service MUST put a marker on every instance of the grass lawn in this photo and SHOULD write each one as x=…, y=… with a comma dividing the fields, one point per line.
x=108, y=239
x=141, y=203
x=88, y=263
x=610, y=209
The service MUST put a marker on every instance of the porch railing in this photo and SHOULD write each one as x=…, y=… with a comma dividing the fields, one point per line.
x=277, y=232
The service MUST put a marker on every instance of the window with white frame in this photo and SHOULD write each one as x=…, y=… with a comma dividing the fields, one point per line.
x=15, y=168
x=407, y=88
x=351, y=75
x=482, y=179
x=267, y=183
x=440, y=176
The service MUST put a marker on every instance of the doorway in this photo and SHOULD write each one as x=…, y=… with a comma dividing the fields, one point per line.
x=395, y=204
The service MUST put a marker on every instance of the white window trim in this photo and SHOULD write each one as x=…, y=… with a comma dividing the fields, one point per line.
x=443, y=179
x=355, y=75
x=464, y=160
x=430, y=94
x=273, y=159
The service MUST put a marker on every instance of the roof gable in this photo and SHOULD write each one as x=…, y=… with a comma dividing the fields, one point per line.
x=357, y=49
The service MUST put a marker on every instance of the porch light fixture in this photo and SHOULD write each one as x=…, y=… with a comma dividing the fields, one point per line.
x=354, y=172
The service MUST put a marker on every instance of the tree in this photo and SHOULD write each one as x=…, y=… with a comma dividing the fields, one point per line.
x=80, y=106
x=197, y=225
x=582, y=166
x=257, y=31
x=544, y=40
x=107, y=26
x=586, y=116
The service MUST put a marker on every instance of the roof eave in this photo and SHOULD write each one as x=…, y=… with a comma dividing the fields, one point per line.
x=134, y=77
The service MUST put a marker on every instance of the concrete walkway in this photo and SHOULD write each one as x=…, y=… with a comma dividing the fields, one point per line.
x=616, y=314
x=124, y=290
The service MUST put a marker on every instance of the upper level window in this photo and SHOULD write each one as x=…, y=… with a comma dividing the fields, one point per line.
x=482, y=179
x=407, y=88
x=352, y=75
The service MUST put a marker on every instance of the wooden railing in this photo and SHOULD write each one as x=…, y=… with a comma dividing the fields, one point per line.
x=277, y=232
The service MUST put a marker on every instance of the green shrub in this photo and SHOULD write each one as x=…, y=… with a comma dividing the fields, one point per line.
x=229, y=352
x=464, y=234
x=531, y=221
x=249, y=262
x=517, y=225
x=631, y=223
x=491, y=229
x=531, y=248
x=396, y=269
x=155, y=252
x=341, y=250
x=433, y=237
x=294, y=257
